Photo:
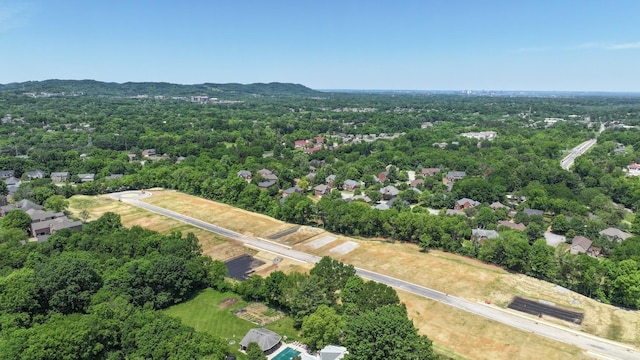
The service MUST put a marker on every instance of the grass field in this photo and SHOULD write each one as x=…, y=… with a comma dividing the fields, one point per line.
x=205, y=312
x=455, y=333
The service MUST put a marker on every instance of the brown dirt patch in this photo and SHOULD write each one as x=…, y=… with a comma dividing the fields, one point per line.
x=219, y=214
x=474, y=337
x=259, y=314
x=227, y=303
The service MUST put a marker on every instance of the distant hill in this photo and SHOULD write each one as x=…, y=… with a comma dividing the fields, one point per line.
x=98, y=88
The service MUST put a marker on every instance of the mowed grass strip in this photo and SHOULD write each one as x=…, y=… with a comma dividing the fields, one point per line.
x=205, y=312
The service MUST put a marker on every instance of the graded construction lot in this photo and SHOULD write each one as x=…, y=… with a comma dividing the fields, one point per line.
x=456, y=333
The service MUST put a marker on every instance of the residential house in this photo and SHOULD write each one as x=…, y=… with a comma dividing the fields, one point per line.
x=13, y=184
x=512, y=226
x=313, y=149
x=381, y=177
x=245, y=174
x=5, y=174
x=498, y=205
x=633, y=169
x=86, y=177
x=465, y=203
x=483, y=234
x=417, y=182
x=300, y=144
x=291, y=190
x=389, y=192
x=319, y=139
x=482, y=135
x=329, y=352
x=330, y=180
x=455, y=212
x=614, y=234
x=36, y=174
x=321, y=190
x=38, y=215
x=429, y=171
x=23, y=205
x=148, y=152
x=361, y=197
x=533, y=212
x=48, y=227
x=451, y=177
x=351, y=185
x=59, y=176
x=114, y=177
x=580, y=245
x=267, y=340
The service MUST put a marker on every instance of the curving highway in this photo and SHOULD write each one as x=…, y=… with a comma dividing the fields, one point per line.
x=593, y=345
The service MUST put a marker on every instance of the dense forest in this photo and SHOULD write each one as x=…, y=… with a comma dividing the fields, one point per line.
x=201, y=148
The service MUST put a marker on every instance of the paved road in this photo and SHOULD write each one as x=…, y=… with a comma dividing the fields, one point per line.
x=567, y=162
x=601, y=348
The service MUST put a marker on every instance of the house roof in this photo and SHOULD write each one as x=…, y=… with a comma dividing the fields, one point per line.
x=39, y=215
x=430, y=171
x=12, y=180
x=60, y=174
x=351, y=183
x=532, y=212
x=581, y=244
x=244, y=173
x=362, y=197
x=25, y=205
x=114, y=176
x=86, y=176
x=35, y=174
x=511, y=225
x=321, y=188
x=615, y=233
x=483, y=233
x=467, y=200
x=293, y=189
x=390, y=190
x=456, y=175
x=266, y=184
x=265, y=338
x=498, y=205
x=331, y=178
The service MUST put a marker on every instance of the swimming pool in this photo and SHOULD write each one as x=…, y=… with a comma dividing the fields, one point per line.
x=287, y=354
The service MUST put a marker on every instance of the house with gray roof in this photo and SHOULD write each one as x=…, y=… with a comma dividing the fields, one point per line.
x=245, y=174
x=389, y=192
x=483, y=234
x=87, y=177
x=60, y=177
x=580, y=245
x=23, y=205
x=114, y=177
x=36, y=174
x=532, y=212
x=267, y=340
x=350, y=185
x=321, y=189
x=329, y=352
x=48, y=227
x=614, y=234
x=5, y=174
x=292, y=190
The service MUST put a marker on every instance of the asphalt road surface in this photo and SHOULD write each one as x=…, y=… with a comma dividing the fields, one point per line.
x=593, y=345
x=568, y=161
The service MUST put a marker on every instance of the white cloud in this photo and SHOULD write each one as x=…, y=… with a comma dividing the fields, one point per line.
x=625, y=46
x=607, y=46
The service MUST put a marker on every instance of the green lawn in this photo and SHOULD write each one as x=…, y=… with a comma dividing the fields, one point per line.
x=203, y=313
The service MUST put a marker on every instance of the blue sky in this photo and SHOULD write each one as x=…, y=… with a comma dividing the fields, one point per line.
x=580, y=45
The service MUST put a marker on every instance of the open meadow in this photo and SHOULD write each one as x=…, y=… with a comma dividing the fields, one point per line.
x=455, y=333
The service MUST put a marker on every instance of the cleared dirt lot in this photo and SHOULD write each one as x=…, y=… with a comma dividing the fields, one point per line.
x=455, y=332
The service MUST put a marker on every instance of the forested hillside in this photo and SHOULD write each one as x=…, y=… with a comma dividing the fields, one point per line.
x=98, y=88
